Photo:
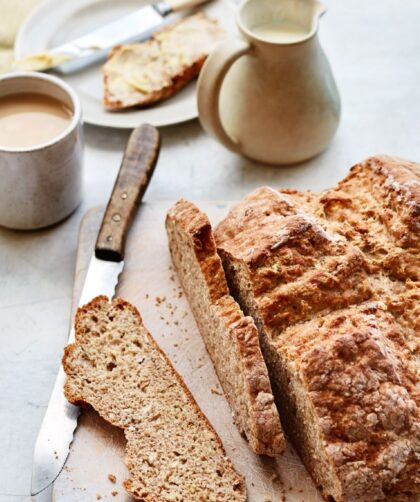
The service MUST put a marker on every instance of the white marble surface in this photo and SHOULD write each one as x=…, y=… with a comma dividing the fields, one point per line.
x=374, y=50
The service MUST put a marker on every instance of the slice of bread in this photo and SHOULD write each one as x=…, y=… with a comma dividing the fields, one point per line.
x=173, y=453
x=141, y=74
x=231, y=338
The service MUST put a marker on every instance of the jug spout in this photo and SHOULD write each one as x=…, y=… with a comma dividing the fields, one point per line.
x=280, y=21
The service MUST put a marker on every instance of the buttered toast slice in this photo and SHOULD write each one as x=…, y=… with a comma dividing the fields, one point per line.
x=231, y=338
x=173, y=453
x=141, y=74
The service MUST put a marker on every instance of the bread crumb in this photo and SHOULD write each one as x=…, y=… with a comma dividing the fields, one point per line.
x=112, y=478
x=114, y=493
x=213, y=390
x=98, y=496
x=160, y=300
x=146, y=296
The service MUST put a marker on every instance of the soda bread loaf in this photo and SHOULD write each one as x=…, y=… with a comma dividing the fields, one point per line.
x=173, y=453
x=332, y=282
x=141, y=74
x=230, y=338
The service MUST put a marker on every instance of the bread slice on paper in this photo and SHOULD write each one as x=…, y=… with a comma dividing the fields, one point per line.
x=173, y=453
x=230, y=338
x=141, y=74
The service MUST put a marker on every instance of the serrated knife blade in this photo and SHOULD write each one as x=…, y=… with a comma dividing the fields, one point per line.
x=60, y=421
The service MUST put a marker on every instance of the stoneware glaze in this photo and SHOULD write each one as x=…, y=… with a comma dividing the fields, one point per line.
x=269, y=98
x=41, y=185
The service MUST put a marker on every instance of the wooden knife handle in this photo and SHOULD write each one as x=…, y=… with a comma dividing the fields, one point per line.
x=138, y=164
x=177, y=5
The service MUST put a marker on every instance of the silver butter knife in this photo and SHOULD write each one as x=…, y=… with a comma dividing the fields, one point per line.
x=94, y=46
x=60, y=421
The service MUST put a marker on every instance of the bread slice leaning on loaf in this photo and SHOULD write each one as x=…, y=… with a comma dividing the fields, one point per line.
x=230, y=338
x=332, y=281
x=173, y=453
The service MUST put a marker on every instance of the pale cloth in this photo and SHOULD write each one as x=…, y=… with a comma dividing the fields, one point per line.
x=12, y=14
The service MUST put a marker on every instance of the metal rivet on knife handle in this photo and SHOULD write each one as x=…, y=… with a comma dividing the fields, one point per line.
x=136, y=170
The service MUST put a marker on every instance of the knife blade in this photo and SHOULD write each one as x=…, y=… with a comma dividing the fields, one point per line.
x=94, y=46
x=60, y=421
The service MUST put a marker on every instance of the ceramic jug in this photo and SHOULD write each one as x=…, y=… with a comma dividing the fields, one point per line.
x=270, y=94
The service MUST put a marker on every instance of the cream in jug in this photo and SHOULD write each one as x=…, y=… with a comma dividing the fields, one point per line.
x=280, y=32
x=270, y=95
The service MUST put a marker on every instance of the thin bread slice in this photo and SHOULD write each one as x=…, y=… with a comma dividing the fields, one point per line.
x=141, y=74
x=231, y=338
x=173, y=453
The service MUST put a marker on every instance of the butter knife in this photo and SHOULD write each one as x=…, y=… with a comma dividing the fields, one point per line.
x=107, y=262
x=94, y=46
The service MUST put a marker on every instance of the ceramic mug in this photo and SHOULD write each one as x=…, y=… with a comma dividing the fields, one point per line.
x=41, y=185
x=273, y=99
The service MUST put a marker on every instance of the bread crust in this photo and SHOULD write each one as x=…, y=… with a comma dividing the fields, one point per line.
x=355, y=366
x=262, y=424
x=345, y=368
x=295, y=267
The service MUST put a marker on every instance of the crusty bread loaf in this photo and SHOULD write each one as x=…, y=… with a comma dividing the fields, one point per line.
x=173, y=453
x=231, y=339
x=332, y=281
x=141, y=74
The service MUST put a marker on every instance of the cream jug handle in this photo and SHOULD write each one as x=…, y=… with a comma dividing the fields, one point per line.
x=209, y=85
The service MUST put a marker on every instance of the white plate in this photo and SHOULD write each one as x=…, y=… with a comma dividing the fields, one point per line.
x=57, y=21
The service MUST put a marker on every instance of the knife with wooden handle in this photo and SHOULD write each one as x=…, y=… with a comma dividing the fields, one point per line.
x=94, y=46
x=107, y=262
